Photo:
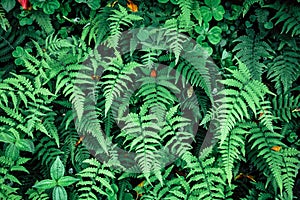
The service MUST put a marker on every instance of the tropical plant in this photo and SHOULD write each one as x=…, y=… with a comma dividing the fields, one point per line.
x=166, y=99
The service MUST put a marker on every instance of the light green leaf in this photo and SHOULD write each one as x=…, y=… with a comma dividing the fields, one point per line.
x=8, y=5
x=218, y=12
x=25, y=145
x=57, y=169
x=214, y=35
x=59, y=193
x=66, y=181
x=45, y=184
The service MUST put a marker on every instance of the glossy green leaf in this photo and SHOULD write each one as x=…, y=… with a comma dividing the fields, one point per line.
x=12, y=152
x=67, y=180
x=57, y=169
x=45, y=184
x=25, y=145
x=59, y=193
x=214, y=35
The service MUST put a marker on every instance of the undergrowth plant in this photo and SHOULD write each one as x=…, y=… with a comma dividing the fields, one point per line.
x=166, y=99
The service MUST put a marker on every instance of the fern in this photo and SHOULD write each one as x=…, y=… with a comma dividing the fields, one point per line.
x=174, y=38
x=118, y=19
x=289, y=15
x=195, y=69
x=9, y=182
x=251, y=49
x=118, y=78
x=206, y=180
x=97, y=28
x=34, y=194
x=141, y=132
x=157, y=92
x=177, y=187
x=43, y=20
x=174, y=128
x=185, y=16
x=233, y=148
x=249, y=3
x=9, y=40
x=284, y=70
x=290, y=166
x=4, y=23
x=266, y=159
x=96, y=179
x=285, y=107
x=241, y=91
x=47, y=151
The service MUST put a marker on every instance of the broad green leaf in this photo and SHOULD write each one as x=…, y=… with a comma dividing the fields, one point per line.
x=206, y=13
x=66, y=181
x=25, y=145
x=12, y=152
x=8, y=5
x=218, y=12
x=214, y=35
x=45, y=184
x=57, y=169
x=59, y=193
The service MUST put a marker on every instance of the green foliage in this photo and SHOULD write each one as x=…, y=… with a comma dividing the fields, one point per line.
x=4, y=23
x=58, y=181
x=284, y=70
x=167, y=99
x=289, y=16
x=96, y=180
x=250, y=50
x=241, y=91
x=205, y=179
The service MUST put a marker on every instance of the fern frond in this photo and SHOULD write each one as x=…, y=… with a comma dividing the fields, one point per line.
x=262, y=155
x=4, y=23
x=141, y=132
x=233, y=148
x=248, y=3
x=96, y=179
x=289, y=15
x=174, y=37
x=285, y=107
x=241, y=91
x=43, y=20
x=185, y=16
x=9, y=40
x=284, y=69
x=118, y=79
x=118, y=19
x=205, y=179
x=290, y=165
x=174, y=128
x=251, y=49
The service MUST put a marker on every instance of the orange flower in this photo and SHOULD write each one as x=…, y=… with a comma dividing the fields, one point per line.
x=276, y=148
x=153, y=73
x=133, y=7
